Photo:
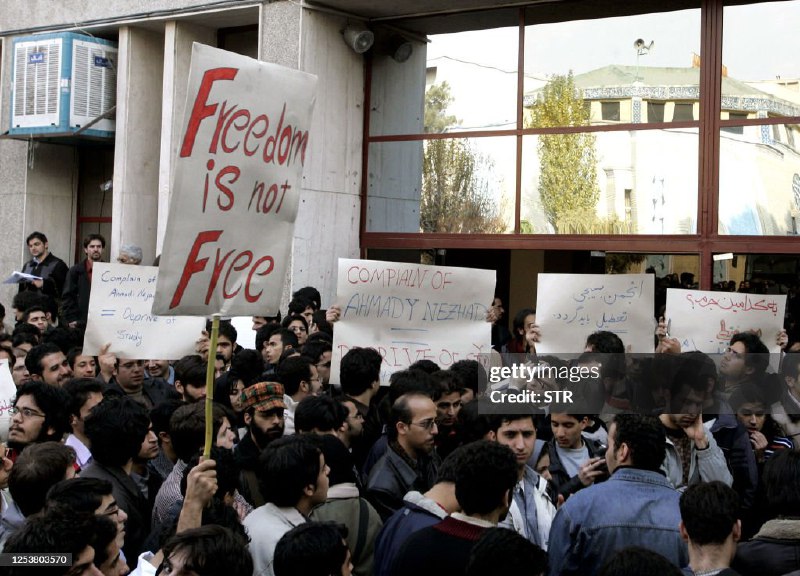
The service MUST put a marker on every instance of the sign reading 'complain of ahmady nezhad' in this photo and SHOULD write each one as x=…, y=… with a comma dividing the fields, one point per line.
x=236, y=186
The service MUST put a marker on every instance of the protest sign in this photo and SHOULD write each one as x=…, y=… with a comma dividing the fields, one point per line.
x=570, y=307
x=8, y=391
x=706, y=321
x=120, y=313
x=411, y=312
x=236, y=186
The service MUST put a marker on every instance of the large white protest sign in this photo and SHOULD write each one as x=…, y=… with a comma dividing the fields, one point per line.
x=570, y=307
x=411, y=312
x=706, y=321
x=236, y=186
x=8, y=391
x=120, y=313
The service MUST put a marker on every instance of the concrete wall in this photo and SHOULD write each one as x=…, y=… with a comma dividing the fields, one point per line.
x=23, y=14
x=328, y=216
x=178, y=39
x=136, y=158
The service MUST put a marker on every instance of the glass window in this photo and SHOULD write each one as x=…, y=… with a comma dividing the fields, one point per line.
x=610, y=111
x=623, y=182
x=627, y=59
x=452, y=185
x=759, y=184
x=655, y=111
x=683, y=112
x=760, y=75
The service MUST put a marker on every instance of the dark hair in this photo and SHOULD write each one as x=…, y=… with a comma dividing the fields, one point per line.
x=503, y=551
x=33, y=361
x=636, y=561
x=446, y=382
x=469, y=370
x=247, y=365
x=487, y=473
x=264, y=333
x=51, y=400
x=289, y=319
x=286, y=466
x=320, y=412
x=689, y=371
x=227, y=469
x=410, y=382
x=756, y=353
x=316, y=347
x=782, y=483
x=38, y=468
x=64, y=337
x=605, y=342
x=310, y=294
x=191, y=371
x=298, y=305
x=116, y=429
x=709, y=511
x=518, y=323
x=162, y=414
x=360, y=367
x=426, y=365
x=645, y=438
x=36, y=308
x=24, y=300
x=448, y=470
x=790, y=367
x=471, y=425
x=91, y=237
x=211, y=550
x=56, y=532
x=35, y=236
x=73, y=354
x=24, y=337
x=288, y=338
x=225, y=329
x=293, y=371
x=79, y=390
x=320, y=320
x=187, y=428
x=498, y=420
x=311, y=549
x=79, y=494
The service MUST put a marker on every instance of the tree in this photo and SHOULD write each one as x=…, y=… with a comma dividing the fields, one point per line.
x=568, y=163
x=455, y=193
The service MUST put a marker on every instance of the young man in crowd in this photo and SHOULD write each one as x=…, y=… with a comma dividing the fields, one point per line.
x=84, y=394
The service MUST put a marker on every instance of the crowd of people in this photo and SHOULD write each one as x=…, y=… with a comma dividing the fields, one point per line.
x=684, y=468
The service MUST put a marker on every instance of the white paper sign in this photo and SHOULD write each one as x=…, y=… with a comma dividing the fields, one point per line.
x=120, y=312
x=706, y=321
x=8, y=392
x=236, y=190
x=570, y=307
x=411, y=312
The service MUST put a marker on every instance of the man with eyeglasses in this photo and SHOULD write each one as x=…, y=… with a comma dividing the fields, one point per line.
x=411, y=462
x=745, y=360
x=129, y=380
x=40, y=414
x=300, y=380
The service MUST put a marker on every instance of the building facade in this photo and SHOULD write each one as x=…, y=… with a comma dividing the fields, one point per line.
x=430, y=146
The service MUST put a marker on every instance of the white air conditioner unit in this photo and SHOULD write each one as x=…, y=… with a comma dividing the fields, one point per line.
x=62, y=82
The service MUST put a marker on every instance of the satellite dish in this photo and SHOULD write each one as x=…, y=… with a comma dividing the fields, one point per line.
x=639, y=44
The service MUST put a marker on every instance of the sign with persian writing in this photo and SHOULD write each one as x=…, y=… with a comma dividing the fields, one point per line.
x=570, y=307
x=236, y=190
x=8, y=391
x=411, y=312
x=120, y=313
x=706, y=321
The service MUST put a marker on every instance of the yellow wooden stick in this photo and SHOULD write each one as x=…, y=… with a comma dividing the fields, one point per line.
x=212, y=359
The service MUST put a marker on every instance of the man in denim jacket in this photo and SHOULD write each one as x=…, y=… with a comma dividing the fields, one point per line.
x=635, y=507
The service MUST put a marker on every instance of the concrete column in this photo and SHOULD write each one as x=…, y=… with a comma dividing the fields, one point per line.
x=328, y=217
x=136, y=158
x=178, y=39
